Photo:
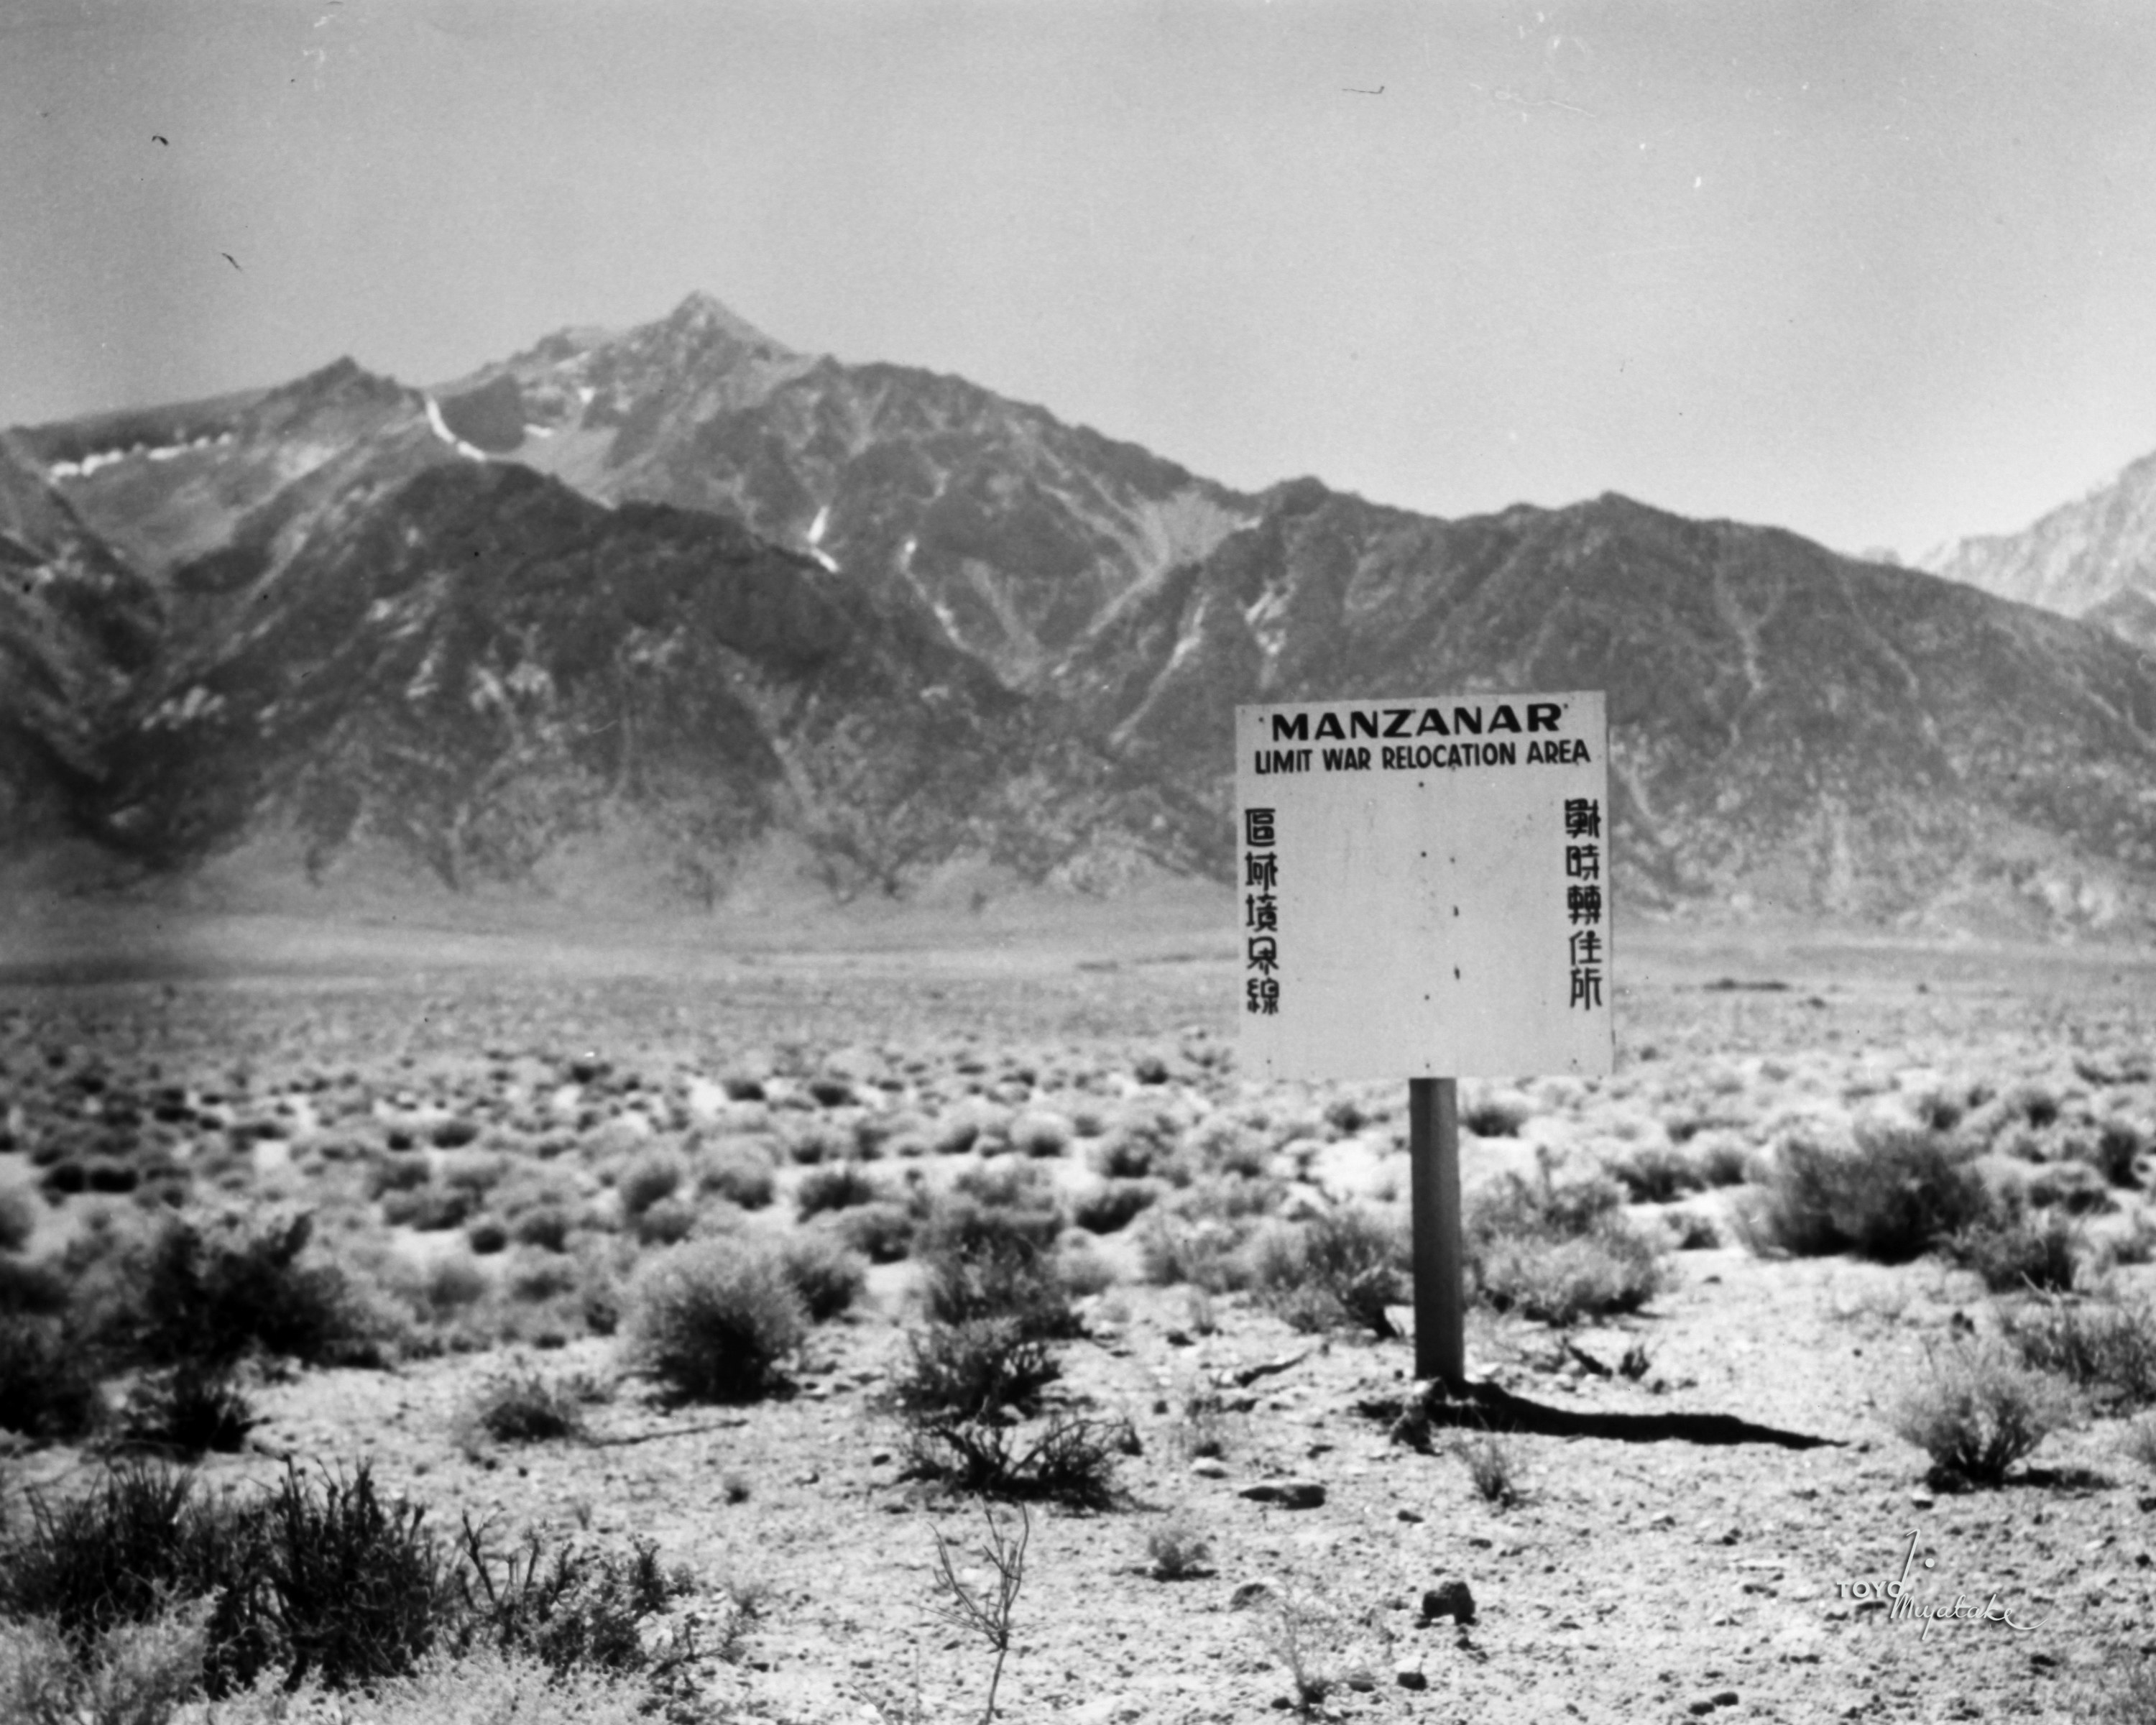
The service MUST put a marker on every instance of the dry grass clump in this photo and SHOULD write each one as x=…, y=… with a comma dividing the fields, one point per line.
x=714, y=1320
x=741, y=1171
x=522, y=1406
x=1344, y=1266
x=1977, y=1411
x=971, y=1370
x=1558, y=1251
x=18, y=1218
x=143, y=1595
x=881, y=1232
x=1897, y=1193
x=836, y=1186
x=2011, y=1250
x=827, y=1275
x=1177, y=1548
x=982, y=1260
x=1322, y=1649
x=1492, y=1464
x=1207, y=1253
x=2103, y=1344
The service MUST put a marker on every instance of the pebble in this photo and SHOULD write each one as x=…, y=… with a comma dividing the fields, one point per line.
x=1411, y=1677
x=1208, y=1467
x=1451, y=1598
x=1289, y=1494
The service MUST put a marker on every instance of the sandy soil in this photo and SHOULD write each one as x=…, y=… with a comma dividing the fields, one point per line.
x=1633, y=1580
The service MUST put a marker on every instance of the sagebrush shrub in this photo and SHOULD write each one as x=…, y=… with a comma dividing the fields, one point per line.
x=2012, y=1251
x=1558, y=1251
x=2105, y=1345
x=1345, y=1266
x=715, y=1321
x=738, y=1174
x=1976, y=1412
x=210, y=1290
x=978, y=1261
x=522, y=1406
x=827, y=1275
x=1109, y=1208
x=650, y=1176
x=969, y=1370
x=1897, y=1194
x=1655, y=1174
x=836, y=1186
x=49, y=1379
x=882, y=1233
x=1069, y=1460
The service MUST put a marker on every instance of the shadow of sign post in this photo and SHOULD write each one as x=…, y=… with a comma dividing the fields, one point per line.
x=1423, y=892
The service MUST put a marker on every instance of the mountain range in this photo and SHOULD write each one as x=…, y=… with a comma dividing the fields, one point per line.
x=680, y=598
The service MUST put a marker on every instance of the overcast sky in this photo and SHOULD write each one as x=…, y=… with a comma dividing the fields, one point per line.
x=1880, y=272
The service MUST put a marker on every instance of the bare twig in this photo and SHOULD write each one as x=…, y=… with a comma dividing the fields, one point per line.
x=989, y=1618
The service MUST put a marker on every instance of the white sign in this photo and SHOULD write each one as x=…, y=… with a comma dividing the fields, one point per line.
x=1424, y=886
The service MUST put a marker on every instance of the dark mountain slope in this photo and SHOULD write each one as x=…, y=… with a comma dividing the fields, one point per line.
x=1016, y=529
x=1833, y=734
x=480, y=664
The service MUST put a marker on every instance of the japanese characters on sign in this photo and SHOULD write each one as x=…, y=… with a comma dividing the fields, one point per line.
x=1260, y=912
x=1424, y=886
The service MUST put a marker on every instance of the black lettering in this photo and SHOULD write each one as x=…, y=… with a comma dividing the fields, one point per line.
x=1505, y=718
x=1579, y=752
x=1432, y=720
x=1542, y=715
x=1396, y=720
x=1328, y=725
x=1291, y=728
x=1467, y=721
x=1535, y=753
x=1362, y=724
x=1501, y=754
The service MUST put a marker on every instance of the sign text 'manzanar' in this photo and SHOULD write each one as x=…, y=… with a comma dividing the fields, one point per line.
x=1414, y=721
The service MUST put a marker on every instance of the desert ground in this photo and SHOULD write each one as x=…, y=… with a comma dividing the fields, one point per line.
x=499, y=1129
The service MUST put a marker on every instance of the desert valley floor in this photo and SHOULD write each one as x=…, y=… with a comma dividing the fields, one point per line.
x=1634, y=1575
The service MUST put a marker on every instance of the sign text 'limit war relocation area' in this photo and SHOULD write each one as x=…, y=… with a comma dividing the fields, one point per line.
x=1424, y=886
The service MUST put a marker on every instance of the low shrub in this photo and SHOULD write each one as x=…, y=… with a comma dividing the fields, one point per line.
x=1500, y=1114
x=1655, y=1174
x=2117, y=1151
x=1177, y=1549
x=981, y=1262
x=210, y=1290
x=522, y=1407
x=428, y=1209
x=715, y=1322
x=650, y=1176
x=1070, y=1460
x=49, y=1379
x=1491, y=1465
x=2012, y=1251
x=318, y=1585
x=131, y=1674
x=187, y=1411
x=837, y=1186
x=1558, y=1251
x=969, y=1370
x=1344, y=1266
x=1898, y=1194
x=668, y=1222
x=1976, y=1412
x=1108, y=1209
x=739, y=1175
x=546, y=1225
x=2104, y=1345
x=881, y=1232
x=1205, y=1253
x=1041, y=1133
x=828, y=1275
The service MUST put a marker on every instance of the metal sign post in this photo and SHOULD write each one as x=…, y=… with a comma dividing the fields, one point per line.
x=1424, y=889
x=1441, y=1304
